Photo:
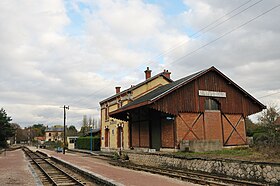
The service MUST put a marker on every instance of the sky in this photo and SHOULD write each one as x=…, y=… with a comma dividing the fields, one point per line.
x=55, y=53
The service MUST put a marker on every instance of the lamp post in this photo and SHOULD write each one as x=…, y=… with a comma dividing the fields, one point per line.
x=91, y=138
x=64, y=127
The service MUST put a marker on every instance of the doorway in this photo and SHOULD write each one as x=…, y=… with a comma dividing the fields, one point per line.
x=120, y=137
x=107, y=137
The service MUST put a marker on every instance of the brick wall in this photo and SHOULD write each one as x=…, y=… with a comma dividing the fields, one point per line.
x=187, y=121
x=140, y=134
x=144, y=134
x=231, y=136
x=213, y=125
x=167, y=134
x=135, y=134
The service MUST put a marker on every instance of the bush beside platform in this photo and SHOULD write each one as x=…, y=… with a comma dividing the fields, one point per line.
x=84, y=143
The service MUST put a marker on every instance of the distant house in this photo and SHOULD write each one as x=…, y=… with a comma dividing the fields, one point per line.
x=95, y=132
x=71, y=141
x=40, y=139
x=206, y=105
x=54, y=134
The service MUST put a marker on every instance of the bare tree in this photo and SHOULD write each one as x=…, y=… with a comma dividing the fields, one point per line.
x=269, y=116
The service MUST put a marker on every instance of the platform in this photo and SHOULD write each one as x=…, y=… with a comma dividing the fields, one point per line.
x=16, y=170
x=118, y=175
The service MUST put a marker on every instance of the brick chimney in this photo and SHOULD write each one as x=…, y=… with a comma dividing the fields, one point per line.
x=118, y=90
x=166, y=73
x=148, y=73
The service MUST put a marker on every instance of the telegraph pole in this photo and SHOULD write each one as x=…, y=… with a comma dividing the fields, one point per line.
x=64, y=136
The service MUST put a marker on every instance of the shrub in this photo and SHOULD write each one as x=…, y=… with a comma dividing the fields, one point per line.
x=116, y=156
x=53, y=144
x=84, y=143
x=261, y=138
x=124, y=156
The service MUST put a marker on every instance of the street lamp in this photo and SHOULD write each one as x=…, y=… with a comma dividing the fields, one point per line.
x=64, y=127
x=91, y=138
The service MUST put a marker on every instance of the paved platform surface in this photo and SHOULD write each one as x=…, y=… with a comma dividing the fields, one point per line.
x=14, y=169
x=120, y=176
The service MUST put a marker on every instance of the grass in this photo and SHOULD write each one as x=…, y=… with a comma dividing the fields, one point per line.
x=237, y=153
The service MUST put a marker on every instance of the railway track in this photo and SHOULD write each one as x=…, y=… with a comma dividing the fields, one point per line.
x=52, y=173
x=199, y=178
x=88, y=154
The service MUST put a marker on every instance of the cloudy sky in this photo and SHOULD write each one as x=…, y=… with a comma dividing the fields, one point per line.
x=55, y=53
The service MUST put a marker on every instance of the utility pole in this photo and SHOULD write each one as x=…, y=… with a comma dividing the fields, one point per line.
x=64, y=122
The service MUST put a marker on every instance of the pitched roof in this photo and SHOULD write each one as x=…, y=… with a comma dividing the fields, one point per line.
x=54, y=129
x=168, y=88
x=94, y=132
x=136, y=86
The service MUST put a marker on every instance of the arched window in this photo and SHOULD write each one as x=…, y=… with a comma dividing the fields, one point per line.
x=211, y=104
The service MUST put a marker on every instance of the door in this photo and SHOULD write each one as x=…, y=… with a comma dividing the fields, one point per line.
x=155, y=134
x=120, y=137
x=107, y=135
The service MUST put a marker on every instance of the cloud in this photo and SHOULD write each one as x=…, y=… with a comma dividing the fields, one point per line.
x=55, y=53
x=44, y=65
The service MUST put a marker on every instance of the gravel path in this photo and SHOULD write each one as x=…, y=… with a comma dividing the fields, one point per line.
x=14, y=169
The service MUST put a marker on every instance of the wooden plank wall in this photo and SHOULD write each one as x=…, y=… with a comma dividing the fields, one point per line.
x=186, y=99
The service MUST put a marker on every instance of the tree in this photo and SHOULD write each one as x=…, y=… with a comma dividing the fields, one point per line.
x=267, y=131
x=85, y=126
x=90, y=122
x=20, y=135
x=72, y=131
x=250, y=127
x=6, y=129
x=38, y=130
x=269, y=116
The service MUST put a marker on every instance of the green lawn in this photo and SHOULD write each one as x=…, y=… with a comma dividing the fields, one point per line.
x=236, y=153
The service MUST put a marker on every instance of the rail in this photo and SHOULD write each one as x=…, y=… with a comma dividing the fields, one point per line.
x=54, y=174
x=199, y=178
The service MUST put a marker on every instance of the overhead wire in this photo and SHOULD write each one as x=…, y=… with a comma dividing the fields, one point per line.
x=223, y=35
x=268, y=95
x=218, y=38
x=199, y=31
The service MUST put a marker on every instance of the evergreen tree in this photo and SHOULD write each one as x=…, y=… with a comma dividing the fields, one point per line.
x=6, y=129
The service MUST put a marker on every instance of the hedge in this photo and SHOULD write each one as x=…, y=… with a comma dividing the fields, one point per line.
x=84, y=143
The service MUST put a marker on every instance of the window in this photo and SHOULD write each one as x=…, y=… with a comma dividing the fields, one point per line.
x=106, y=113
x=72, y=140
x=211, y=104
x=50, y=134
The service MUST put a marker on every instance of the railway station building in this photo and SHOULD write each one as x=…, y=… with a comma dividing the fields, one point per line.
x=114, y=132
x=206, y=105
